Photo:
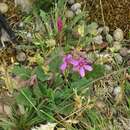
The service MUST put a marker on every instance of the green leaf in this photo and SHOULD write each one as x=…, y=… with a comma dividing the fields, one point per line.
x=22, y=99
x=129, y=70
x=56, y=60
x=40, y=74
x=21, y=71
x=80, y=83
x=92, y=28
x=37, y=92
x=43, y=88
x=75, y=21
x=44, y=16
x=89, y=39
x=98, y=71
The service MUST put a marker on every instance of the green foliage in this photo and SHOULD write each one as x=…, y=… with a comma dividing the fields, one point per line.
x=91, y=28
x=40, y=74
x=56, y=59
x=53, y=97
x=98, y=71
x=129, y=70
x=21, y=71
x=22, y=99
x=44, y=4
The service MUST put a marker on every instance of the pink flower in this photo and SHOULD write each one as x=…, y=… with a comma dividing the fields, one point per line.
x=82, y=66
x=59, y=24
x=66, y=61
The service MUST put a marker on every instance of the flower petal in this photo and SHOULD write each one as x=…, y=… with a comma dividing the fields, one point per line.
x=59, y=24
x=88, y=67
x=76, y=68
x=74, y=62
x=63, y=67
x=67, y=58
x=82, y=72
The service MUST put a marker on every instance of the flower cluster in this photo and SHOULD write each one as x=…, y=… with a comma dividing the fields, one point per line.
x=80, y=64
x=59, y=24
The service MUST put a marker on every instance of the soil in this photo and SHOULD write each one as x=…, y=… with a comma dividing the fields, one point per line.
x=116, y=13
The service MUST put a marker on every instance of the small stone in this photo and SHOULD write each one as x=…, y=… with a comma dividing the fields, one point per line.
x=108, y=68
x=118, y=58
x=98, y=39
x=26, y=5
x=75, y=6
x=116, y=91
x=21, y=24
x=78, y=11
x=69, y=14
x=109, y=38
x=3, y=8
x=70, y=2
x=116, y=46
x=124, y=51
x=100, y=104
x=100, y=30
x=21, y=57
x=105, y=29
x=118, y=35
x=29, y=36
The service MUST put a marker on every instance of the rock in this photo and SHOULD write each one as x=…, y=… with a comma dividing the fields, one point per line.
x=100, y=30
x=108, y=68
x=29, y=37
x=48, y=126
x=92, y=29
x=69, y=14
x=26, y=5
x=75, y=6
x=3, y=8
x=116, y=90
x=21, y=24
x=118, y=35
x=116, y=46
x=105, y=29
x=78, y=11
x=4, y=37
x=98, y=39
x=70, y=2
x=109, y=38
x=100, y=104
x=118, y=58
x=21, y=57
x=124, y=51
